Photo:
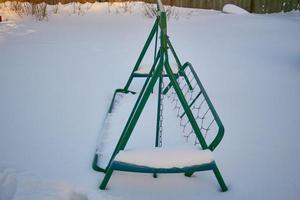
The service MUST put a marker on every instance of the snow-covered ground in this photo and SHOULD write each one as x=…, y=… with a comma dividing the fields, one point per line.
x=57, y=78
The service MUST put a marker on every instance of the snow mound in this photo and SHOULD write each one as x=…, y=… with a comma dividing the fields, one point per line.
x=8, y=185
x=233, y=9
x=22, y=185
x=78, y=196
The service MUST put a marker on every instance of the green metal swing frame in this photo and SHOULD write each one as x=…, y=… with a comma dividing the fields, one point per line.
x=156, y=74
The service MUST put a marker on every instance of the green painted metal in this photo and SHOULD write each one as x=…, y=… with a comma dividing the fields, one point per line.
x=134, y=108
x=140, y=103
x=174, y=53
x=192, y=103
x=95, y=165
x=161, y=63
x=132, y=122
x=181, y=72
x=95, y=160
x=106, y=179
x=145, y=48
x=155, y=47
x=221, y=130
x=185, y=105
x=219, y=178
x=129, y=167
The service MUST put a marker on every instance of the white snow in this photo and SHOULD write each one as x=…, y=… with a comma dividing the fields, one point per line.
x=57, y=78
x=234, y=9
x=8, y=185
x=165, y=157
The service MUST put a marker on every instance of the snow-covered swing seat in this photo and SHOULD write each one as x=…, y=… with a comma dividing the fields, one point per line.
x=193, y=108
x=163, y=160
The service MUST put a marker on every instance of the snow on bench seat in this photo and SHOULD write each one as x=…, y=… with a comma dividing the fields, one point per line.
x=163, y=160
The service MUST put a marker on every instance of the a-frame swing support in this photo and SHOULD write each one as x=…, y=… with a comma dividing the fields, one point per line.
x=160, y=64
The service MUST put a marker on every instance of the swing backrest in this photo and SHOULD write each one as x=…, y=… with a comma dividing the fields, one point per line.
x=199, y=103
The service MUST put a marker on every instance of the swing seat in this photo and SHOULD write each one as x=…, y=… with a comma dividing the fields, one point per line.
x=144, y=70
x=196, y=117
x=164, y=160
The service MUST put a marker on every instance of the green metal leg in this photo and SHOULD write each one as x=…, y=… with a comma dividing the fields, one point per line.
x=144, y=50
x=106, y=179
x=134, y=116
x=220, y=178
x=189, y=174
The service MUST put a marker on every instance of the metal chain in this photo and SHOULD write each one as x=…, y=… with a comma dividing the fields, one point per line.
x=161, y=117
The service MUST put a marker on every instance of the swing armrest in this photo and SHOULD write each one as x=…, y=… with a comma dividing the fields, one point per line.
x=119, y=90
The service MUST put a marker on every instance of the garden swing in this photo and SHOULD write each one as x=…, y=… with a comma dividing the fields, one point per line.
x=193, y=108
